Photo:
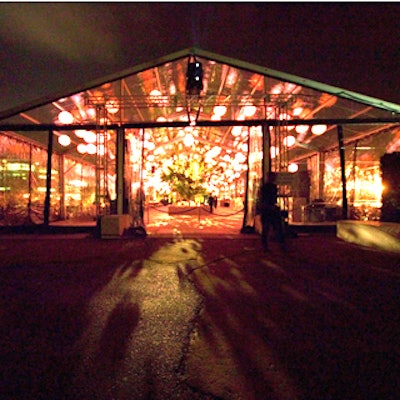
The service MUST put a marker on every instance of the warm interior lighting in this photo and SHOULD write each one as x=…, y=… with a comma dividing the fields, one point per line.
x=318, y=129
x=101, y=150
x=91, y=148
x=89, y=137
x=65, y=117
x=301, y=129
x=249, y=110
x=297, y=111
x=220, y=110
x=81, y=148
x=289, y=141
x=274, y=151
x=64, y=140
x=293, y=167
x=80, y=133
x=236, y=131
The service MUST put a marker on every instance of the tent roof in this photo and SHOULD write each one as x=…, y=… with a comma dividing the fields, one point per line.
x=64, y=46
x=195, y=51
x=227, y=81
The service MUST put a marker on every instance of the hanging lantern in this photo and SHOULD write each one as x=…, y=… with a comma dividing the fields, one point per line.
x=318, y=129
x=65, y=117
x=188, y=140
x=81, y=148
x=249, y=110
x=236, y=130
x=89, y=137
x=289, y=141
x=301, y=129
x=293, y=167
x=220, y=110
x=240, y=157
x=297, y=111
x=64, y=140
x=80, y=133
x=91, y=148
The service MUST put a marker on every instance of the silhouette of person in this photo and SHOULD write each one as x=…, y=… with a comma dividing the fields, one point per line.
x=210, y=201
x=269, y=210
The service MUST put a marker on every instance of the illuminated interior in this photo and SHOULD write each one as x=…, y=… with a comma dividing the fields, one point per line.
x=181, y=145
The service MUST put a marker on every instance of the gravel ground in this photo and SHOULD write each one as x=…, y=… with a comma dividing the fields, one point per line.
x=84, y=318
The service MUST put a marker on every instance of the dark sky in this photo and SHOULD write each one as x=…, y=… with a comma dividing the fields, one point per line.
x=52, y=49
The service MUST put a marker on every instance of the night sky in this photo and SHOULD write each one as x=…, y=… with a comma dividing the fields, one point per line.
x=52, y=49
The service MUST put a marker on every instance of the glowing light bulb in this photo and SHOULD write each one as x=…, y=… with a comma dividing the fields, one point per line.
x=220, y=110
x=293, y=167
x=81, y=148
x=289, y=141
x=318, y=129
x=301, y=128
x=249, y=110
x=65, y=117
x=64, y=140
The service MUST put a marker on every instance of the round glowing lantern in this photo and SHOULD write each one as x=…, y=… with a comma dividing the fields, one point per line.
x=236, y=130
x=301, y=128
x=293, y=167
x=188, y=140
x=89, y=137
x=249, y=110
x=65, y=117
x=318, y=129
x=220, y=110
x=289, y=141
x=80, y=133
x=91, y=148
x=64, y=140
x=81, y=148
x=297, y=111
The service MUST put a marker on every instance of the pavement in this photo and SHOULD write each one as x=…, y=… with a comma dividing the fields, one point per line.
x=197, y=315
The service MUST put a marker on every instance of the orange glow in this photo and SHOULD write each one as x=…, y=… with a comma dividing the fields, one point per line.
x=301, y=129
x=81, y=148
x=220, y=110
x=293, y=167
x=64, y=140
x=318, y=129
x=65, y=117
x=249, y=110
x=289, y=141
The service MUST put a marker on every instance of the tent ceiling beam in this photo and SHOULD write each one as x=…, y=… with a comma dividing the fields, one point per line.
x=182, y=124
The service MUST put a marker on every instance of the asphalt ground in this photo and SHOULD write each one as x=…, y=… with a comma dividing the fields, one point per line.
x=197, y=317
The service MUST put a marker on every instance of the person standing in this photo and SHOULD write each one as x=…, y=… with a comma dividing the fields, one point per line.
x=215, y=201
x=210, y=201
x=267, y=207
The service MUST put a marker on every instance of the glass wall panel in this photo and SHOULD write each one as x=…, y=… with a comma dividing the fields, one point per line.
x=255, y=159
x=134, y=175
x=79, y=190
x=363, y=174
x=14, y=181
